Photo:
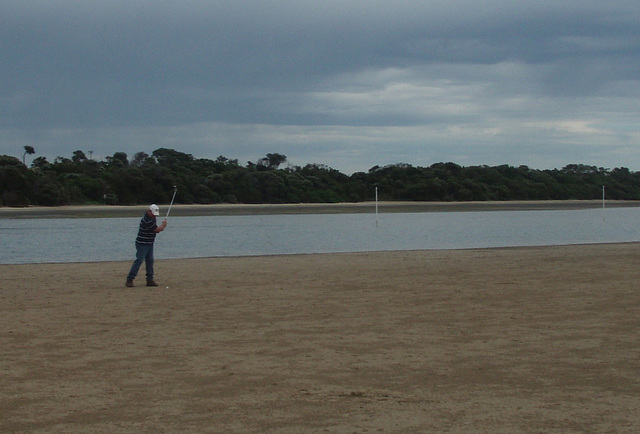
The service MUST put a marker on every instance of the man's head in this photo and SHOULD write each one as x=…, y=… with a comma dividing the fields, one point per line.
x=154, y=209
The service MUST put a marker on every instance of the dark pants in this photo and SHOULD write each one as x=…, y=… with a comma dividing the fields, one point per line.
x=144, y=252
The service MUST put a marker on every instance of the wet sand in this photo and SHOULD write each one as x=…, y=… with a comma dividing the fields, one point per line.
x=540, y=339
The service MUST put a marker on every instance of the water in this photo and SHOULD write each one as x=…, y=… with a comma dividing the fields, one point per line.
x=112, y=239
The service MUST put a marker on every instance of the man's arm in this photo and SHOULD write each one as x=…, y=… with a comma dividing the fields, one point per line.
x=161, y=227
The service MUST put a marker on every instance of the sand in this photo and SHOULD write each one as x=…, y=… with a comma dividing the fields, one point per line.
x=539, y=339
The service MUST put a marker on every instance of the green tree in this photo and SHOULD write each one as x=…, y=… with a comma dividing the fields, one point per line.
x=172, y=159
x=272, y=161
x=139, y=159
x=15, y=187
x=28, y=150
x=78, y=157
x=118, y=160
x=41, y=163
x=47, y=190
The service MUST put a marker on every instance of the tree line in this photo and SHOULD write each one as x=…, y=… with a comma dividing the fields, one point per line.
x=119, y=180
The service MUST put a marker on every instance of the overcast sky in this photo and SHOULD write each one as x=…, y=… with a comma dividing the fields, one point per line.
x=346, y=83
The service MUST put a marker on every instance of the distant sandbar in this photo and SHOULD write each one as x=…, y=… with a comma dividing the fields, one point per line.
x=88, y=211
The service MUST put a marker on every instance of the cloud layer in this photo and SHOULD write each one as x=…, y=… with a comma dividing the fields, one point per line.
x=350, y=84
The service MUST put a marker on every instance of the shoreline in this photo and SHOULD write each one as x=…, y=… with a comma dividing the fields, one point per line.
x=284, y=256
x=178, y=210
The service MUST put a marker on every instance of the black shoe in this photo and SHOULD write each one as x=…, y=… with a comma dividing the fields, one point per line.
x=129, y=284
x=151, y=283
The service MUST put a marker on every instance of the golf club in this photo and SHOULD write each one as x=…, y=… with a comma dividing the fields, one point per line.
x=175, y=190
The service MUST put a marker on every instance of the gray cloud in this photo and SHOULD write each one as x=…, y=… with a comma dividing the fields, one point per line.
x=350, y=83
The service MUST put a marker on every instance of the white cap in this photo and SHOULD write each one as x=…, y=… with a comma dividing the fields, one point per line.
x=154, y=209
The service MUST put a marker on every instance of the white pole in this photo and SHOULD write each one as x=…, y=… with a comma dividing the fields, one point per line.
x=376, y=206
x=603, y=203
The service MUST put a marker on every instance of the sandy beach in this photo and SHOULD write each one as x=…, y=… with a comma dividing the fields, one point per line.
x=496, y=340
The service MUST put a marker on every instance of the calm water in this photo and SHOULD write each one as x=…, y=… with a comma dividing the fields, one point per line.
x=88, y=240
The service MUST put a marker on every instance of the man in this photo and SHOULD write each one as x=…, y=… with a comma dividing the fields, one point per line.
x=144, y=245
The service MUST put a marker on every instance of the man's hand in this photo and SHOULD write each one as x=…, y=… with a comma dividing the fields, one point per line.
x=162, y=226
